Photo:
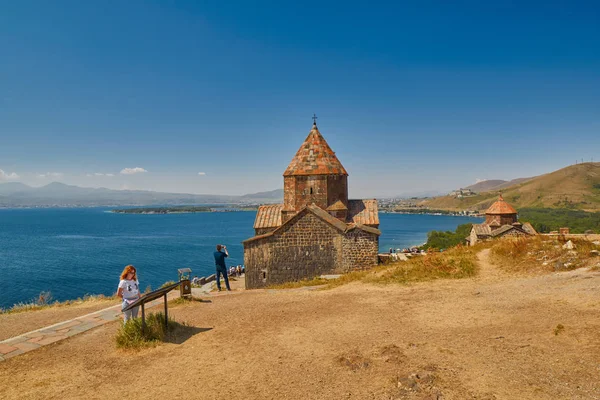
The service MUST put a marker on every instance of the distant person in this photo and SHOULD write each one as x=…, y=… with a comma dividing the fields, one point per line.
x=238, y=270
x=129, y=291
x=220, y=266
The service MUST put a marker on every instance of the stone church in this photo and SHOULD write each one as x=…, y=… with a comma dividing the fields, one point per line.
x=500, y=220
x=316, y=230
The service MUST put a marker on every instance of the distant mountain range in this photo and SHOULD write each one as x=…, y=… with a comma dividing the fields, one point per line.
x=495, y=184
x=15, y=194
x=576, y=186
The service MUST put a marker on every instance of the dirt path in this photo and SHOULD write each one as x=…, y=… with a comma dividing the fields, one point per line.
x=492, y=337
x=488, y=271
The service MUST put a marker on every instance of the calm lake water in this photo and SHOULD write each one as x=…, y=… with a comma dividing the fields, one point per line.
x=74, y=252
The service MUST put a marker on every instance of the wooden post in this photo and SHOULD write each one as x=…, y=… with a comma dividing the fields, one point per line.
x=143, y=319
x=166, y=315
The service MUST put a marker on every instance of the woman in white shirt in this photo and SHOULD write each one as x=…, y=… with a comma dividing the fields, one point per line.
x=129, y=291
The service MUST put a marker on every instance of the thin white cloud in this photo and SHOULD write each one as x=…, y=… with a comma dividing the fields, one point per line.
x=109, y=174
x=50, y=175
x=131, y=171
x=202, y=173
x=5, y=176
x=89, y=175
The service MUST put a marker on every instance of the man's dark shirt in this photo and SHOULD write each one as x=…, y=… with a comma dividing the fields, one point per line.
x=220, y=259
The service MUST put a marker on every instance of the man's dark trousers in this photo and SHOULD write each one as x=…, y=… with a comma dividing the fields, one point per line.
x=224, y=272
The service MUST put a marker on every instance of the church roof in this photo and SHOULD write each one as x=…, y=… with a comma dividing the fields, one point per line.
x=337, y=206
x=363, y=212
x=268, y=216
x=527, y=227
x=315, y=157
x=325, y=216
x=501, y=207
x=315, y=210
x=504, y=229
x=482, y=229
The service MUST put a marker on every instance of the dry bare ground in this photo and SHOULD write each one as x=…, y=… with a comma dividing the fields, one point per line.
x=492, y=337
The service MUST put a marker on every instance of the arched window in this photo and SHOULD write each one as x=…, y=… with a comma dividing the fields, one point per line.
x=311, y=192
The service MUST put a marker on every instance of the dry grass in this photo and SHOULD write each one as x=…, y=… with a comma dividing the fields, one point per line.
x=458, y=262
x=130, y=335
x=44, y=301
x=316, y=281
x=542, y=253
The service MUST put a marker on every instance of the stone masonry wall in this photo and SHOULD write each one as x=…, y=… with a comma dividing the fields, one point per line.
x=310, y=189
x=513, y=233
x=337, y=189
x=507, y=219
x=307, y=248
x=473, y=239
x=359, y=250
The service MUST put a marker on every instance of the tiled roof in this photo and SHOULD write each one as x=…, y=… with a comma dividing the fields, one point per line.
x=503, y=229
x=324, y=215
x=482, y=229
x=501, y=207
x=268, y=216
x=315, y=157
x=365, y=228
x=527, y=227
x=337, y=206
x=258, y=237
x=363, y=212
x=318, y=211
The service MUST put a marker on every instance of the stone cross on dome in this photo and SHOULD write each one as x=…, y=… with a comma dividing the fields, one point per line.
x=314, y=117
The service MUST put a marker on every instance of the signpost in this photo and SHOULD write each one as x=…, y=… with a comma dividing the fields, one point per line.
x=162, y=292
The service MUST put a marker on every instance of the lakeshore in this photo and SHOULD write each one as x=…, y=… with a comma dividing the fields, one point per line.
x=48, y=246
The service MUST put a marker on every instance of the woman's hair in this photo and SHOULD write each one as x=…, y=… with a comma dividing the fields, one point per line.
x=128, y=269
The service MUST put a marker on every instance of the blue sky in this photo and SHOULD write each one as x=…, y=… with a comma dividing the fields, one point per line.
x=413, y=97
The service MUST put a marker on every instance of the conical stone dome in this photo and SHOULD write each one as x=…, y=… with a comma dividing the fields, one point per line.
x=315, y=157
x=501, y=207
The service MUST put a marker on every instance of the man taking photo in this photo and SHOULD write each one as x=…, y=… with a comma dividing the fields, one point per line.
x=220, y=265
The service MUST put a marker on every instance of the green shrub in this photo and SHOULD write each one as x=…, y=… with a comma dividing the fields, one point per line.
x=545, y=220
x=445, y=240
x=130, y=335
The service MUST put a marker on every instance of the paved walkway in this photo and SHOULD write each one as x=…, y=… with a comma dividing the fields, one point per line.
x=63, y=330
